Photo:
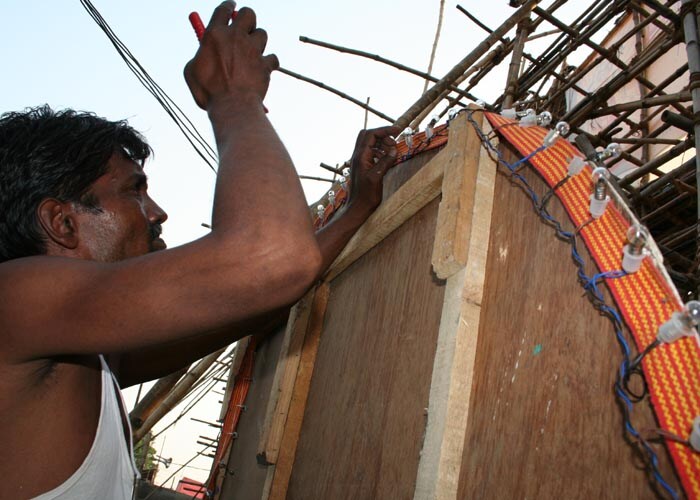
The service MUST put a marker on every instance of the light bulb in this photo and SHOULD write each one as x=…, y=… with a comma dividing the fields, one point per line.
x=612, y=150
x=320, y=211
x=346, y=172
x=600, y=175
x=408, y=137
x=681, y=323
x=331, y=198
x=599, y=197
x=692, y=313
x=633, y=253
x=544, y=119
x=637, y=236
x=561, y=129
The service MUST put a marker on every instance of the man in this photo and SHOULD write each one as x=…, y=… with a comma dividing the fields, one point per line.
x=84, y=297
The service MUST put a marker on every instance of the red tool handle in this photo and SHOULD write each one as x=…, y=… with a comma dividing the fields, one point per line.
x=197, y=24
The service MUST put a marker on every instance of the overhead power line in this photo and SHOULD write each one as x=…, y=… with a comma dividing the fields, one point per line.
x=193, y=136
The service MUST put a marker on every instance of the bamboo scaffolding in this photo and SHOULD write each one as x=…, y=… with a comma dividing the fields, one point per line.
x=582, y=71
x=176, y=394
x=434, y=92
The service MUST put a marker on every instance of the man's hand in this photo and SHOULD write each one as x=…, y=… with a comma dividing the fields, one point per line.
x=230, y=61
x=375, y=152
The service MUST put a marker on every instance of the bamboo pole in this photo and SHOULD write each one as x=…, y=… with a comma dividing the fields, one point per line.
x=336, y=92
x=383, y=60
x=689, y=11
x=435, y=43
x=177, y=394
x=427, y=98
x=654, y=164
x=154, y=397
x=516, y=62
x=646, y=102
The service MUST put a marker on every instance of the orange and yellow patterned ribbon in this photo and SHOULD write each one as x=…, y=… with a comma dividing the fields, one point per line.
x=644, y=298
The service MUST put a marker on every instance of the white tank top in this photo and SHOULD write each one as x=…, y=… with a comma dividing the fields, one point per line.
x=108, y=471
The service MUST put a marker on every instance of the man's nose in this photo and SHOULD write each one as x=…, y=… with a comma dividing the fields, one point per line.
x=156, y=215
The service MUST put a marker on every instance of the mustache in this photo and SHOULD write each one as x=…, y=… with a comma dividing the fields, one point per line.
x=155, y=230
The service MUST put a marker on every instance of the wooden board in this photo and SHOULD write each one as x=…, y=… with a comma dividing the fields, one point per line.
x=365, y=414
x=544, y=422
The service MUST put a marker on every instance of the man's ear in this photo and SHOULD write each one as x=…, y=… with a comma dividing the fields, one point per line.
x=59, y=221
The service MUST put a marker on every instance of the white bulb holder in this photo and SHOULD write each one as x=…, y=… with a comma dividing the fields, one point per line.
x=674, y=329
x=331, y=198
x=576, y=165
x=597, y=207
x=408, y=137
x=429, y=131
x=528, y=121
x=694, y=438
x=509, y=113
x=452, y=113
x=631, y=262
x=320, y=211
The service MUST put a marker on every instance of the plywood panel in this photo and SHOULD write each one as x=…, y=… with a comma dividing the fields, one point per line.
x=365, y=415
x=543, y=418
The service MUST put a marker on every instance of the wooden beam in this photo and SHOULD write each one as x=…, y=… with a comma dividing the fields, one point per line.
x=284, y=380
x=279, y=475
x=458, y=188
x=453, y=368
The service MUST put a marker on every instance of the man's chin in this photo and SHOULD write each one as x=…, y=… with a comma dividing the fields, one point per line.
x=157, y=245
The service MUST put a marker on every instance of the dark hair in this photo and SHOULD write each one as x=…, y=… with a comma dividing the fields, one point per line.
x=53, y=154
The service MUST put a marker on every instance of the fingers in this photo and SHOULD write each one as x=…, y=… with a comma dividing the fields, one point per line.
x=246, y=20
x=271, y=62
x=385, y=162
x=222, y=14
x=259, y=38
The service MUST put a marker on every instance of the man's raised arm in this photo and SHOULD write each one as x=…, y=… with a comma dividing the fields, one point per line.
x=260, y=255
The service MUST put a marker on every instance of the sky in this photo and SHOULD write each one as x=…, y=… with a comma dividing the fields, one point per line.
x=54, y=53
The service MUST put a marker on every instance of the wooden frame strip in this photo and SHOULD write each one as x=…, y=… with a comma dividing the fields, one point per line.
x=284, y=379
x=278, y=476
x=416, y=193
x=453, y=369
x=452, y=234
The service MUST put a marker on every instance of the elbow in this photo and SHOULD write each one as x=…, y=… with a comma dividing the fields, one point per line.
x=298, y=266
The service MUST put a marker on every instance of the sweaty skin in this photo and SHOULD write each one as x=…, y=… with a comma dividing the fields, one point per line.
x=103, y=288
